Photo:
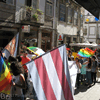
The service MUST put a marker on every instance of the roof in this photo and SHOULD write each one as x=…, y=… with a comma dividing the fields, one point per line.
x=93, y=6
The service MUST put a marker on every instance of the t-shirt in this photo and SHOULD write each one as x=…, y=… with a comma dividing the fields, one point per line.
x=78, y=69
x=94, y=65
x=24, y=61
x=98, y=60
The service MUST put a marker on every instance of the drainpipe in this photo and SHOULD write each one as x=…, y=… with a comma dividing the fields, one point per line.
x=54, y=26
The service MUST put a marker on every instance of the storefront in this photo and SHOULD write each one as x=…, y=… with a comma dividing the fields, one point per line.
x=46, y=40
x=6, y=35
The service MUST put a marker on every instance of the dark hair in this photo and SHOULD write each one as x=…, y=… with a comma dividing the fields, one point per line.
x=16, y=68
x=89, y=64
x=11, y=59
x=19, y=58
x=25, y=52
x=94, y=57
x=77, y=59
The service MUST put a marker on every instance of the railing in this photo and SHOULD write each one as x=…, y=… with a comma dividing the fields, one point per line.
x=7, y=12
x=25, y=15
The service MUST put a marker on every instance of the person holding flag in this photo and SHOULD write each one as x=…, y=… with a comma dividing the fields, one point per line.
x=18, y=82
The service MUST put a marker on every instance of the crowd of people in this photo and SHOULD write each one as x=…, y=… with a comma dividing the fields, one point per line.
x=90, y=66
x=21, y=79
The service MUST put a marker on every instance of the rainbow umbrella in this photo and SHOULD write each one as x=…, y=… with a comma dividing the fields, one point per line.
x=36, y=50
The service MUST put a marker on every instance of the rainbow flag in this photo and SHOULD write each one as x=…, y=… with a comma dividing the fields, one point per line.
x=86, y=52
x=5, y=77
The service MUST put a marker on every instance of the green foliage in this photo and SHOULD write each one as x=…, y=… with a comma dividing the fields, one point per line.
x=29, y=8
x=39, y=11
x=35, y=16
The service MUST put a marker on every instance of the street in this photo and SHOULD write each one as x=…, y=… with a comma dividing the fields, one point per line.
x=84, y=93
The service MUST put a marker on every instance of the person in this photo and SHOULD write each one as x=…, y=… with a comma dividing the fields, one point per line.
x=72, y=58
x=18, y=82
x=69, y=55
x=94, y=69
x=83, y=70
x=24, y=60
x=81, y=61
x=88, y=72
x=78, y=72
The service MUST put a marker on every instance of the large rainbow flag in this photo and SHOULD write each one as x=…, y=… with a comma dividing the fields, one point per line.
x=86, y=52
x=5, y=77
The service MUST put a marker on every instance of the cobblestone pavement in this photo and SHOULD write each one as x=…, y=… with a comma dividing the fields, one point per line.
x=85, y=93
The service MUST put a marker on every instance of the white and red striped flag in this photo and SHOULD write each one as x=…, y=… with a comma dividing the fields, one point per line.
x=50, y=75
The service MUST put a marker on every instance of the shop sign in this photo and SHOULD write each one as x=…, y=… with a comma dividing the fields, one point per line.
x=26, y=28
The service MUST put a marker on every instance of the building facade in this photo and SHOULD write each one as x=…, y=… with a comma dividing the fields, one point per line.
x=70, y=22
x=41, y=31
x=8, y=28
x=91, y=28
x=41, y=22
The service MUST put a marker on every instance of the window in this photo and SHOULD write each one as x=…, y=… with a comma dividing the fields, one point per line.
x=49, y=8
x=75, y=18
x=10, y=2
x=35, y=4
x=81, y=20
x=74, y=39
x=80, y=40
x=29, y=2
x=92, y=30
x=57, y=8
x=62, y=12
x=69, y=15
x=85, y=30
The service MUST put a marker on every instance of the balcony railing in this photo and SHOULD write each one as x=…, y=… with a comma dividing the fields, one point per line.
x=7, y=12
x=24, y=15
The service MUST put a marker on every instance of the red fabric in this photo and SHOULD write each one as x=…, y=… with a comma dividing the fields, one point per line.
x=45, y=82
x=67, y=48
x=24, y=61
x=58, y=63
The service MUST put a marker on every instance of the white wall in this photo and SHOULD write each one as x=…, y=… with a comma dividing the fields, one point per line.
x=91, y=32
x=69, y=30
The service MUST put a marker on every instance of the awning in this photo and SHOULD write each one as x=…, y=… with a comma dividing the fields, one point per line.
x=93, y=6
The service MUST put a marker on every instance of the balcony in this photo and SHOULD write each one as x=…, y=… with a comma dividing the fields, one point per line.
x=7, y=12
x=25, y=15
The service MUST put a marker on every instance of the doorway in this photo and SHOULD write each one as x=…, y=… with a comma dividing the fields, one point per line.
x=46, y=41
x=28, y=3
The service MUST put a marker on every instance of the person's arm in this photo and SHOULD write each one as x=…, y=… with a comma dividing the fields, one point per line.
x=80, y=66
x=23, y=84
x=85, y=63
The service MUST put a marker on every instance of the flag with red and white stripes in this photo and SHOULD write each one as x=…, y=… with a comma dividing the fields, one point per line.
x=50, y=75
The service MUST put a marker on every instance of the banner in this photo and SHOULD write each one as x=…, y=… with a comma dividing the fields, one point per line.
x=11, y=48
x=73, y=73
x=50, y=75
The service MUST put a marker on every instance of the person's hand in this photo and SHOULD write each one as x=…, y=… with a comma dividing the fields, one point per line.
x=13, y=83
